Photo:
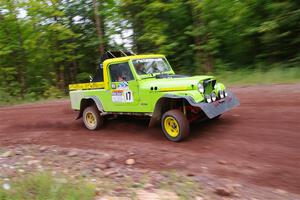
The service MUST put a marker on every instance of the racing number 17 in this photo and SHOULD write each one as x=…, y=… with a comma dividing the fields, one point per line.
x=128, y=96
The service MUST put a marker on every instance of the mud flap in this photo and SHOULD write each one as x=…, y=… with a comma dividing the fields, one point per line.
x=219, y=107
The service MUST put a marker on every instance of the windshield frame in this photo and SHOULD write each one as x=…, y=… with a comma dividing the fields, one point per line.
x=142, y=76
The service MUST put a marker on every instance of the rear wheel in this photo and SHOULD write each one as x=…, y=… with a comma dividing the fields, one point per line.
x=175, y=125
x=91, y=118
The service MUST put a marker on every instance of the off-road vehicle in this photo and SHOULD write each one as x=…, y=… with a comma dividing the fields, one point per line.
x=146, y=85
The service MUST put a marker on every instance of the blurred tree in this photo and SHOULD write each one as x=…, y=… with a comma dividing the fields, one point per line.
x=98, y=23
x=47, y=44
x=12, y=52
x=162, y=25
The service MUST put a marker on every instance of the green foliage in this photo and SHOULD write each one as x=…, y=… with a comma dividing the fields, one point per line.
x=45, y=187
x=53, y=92
x=83, y=77
x=255, y=76
x=45, y=45
x=240, y=33
x=185, y=187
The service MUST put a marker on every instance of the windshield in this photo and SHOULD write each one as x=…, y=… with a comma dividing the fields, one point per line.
x=150, y=66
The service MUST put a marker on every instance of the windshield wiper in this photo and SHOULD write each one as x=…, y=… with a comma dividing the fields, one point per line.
x=154, y=75
x=148, y=77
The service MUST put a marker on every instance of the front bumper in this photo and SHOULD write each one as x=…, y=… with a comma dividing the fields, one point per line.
x=220, y=106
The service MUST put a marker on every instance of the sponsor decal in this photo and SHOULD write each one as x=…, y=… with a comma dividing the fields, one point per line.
x=122, y=96
x=123, y=84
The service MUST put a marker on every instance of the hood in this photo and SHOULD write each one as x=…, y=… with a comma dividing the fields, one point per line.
x=176, y=83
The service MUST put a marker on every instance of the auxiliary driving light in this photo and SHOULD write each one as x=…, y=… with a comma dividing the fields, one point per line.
x=225, y=93
x=208, y=98
x=221, y=94
x=200, y=87
x=213, y=97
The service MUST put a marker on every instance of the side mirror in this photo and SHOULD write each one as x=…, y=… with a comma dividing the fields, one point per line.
x=91, y=78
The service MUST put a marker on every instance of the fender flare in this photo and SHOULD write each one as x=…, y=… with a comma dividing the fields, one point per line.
x=83, y=105
x=156, y=115
x=211, y=110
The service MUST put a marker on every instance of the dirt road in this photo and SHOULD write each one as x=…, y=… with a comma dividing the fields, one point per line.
x=257, y=143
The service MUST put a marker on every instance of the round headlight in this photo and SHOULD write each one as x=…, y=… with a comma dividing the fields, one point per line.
x=213, y=97
x=200, y=88
x=208, y=98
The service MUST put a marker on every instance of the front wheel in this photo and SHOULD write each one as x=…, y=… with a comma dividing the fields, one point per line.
x=175, y=125
x=91, y=118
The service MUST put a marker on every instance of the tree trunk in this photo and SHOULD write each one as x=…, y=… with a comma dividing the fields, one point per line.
x=61, y=77
x=98, y=27
x=209, y=63
x=73, y=71
x=21, y=67
x=203, y=59
x=197, y=38
x=20, y=54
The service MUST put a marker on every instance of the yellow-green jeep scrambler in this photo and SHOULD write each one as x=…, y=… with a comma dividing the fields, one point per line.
x=146, y=85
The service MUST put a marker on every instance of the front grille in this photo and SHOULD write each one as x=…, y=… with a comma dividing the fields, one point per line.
x=209, y=85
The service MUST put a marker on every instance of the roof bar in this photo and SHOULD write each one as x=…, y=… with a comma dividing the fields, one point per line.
x=111, y=54
x=123, y=53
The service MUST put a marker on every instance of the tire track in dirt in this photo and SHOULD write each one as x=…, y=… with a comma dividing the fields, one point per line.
x=258, y=143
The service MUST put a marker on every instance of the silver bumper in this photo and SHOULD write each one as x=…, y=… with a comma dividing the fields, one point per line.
x=219, y=107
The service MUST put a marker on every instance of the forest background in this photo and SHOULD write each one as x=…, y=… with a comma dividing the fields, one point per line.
x=47, y=44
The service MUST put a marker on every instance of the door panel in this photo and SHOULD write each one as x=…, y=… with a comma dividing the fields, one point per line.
x=125, y=93
x=123, y=88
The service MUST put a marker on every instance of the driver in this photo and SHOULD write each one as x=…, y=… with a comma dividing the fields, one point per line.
x=121, y=79
x=139, y=67
x=123, y=76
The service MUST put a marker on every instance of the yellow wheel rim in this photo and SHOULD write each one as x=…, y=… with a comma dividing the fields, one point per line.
x=90, y=119
x=171, y=126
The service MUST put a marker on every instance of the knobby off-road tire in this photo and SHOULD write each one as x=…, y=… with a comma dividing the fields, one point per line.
x=92, y=118
x=175, y=125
